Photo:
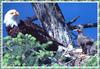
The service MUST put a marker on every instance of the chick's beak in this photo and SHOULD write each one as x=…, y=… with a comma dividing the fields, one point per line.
x=77, y=30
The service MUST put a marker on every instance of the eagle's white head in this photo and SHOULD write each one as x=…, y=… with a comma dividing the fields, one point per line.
x=11, y=18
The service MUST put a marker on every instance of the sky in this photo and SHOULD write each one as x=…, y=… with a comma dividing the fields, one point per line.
x=86, y=11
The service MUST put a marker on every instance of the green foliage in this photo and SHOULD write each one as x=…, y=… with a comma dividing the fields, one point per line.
x=92, y=61
x=24, y=50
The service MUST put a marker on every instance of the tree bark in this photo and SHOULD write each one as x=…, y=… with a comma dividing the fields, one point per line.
x=53, y=21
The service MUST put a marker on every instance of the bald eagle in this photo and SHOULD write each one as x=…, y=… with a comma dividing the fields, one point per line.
x=14, y=25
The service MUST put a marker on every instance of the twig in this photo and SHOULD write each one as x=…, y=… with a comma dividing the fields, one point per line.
x=73, y=20
x=33, y=18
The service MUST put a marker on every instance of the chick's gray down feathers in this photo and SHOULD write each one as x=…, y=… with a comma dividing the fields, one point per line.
x=85, y=42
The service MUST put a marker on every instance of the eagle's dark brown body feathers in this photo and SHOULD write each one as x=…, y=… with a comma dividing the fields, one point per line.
x=27, y=27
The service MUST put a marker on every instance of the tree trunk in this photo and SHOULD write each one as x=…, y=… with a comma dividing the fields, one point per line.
x=53, y=21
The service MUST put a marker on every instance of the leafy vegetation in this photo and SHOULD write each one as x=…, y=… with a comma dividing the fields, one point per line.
x=24, y=50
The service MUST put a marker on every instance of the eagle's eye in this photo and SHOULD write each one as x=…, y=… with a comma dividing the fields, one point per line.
x=12, y=13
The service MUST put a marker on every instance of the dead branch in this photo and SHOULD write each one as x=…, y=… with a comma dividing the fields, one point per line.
x=88, y=25
x=33, y=18
x=73, y=20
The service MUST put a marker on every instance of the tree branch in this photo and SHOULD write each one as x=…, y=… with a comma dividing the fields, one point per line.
x=73, y=20
x=88, y=25
x=33, y=18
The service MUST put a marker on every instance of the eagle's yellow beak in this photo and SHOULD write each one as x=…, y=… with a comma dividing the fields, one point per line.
x=16, y=13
